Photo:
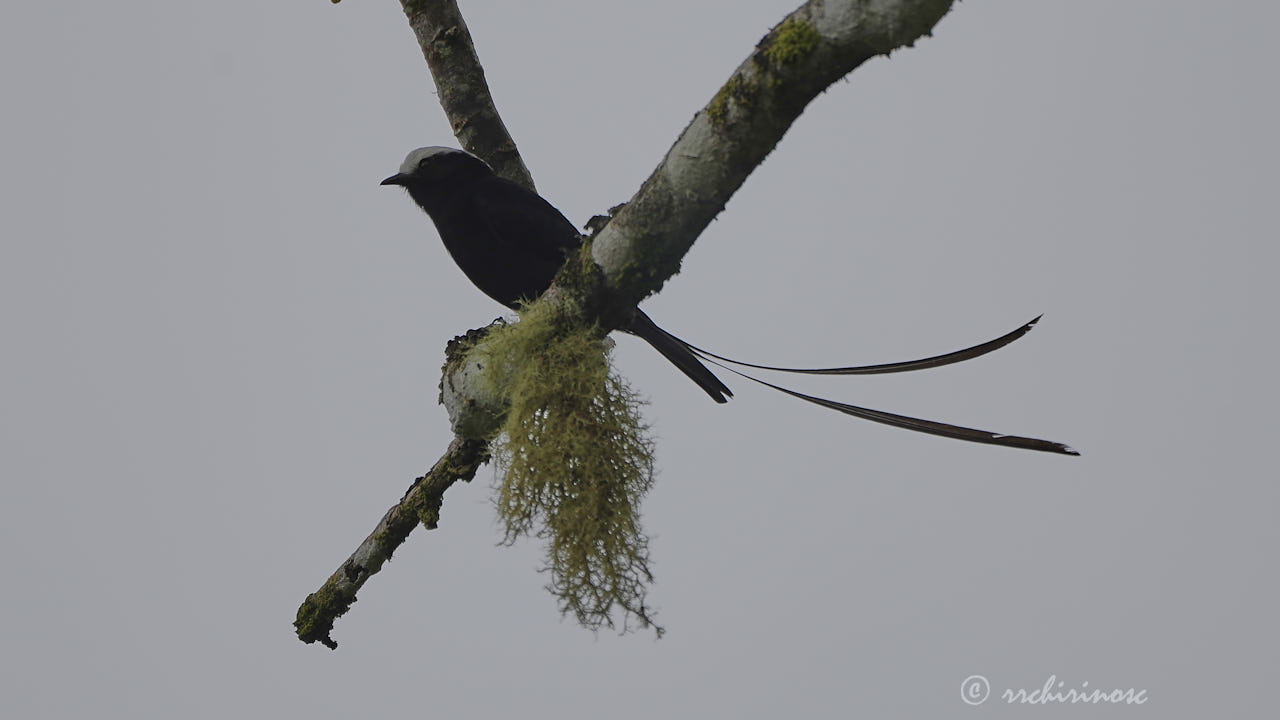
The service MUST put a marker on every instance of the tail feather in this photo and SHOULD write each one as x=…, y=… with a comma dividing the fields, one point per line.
x=931, y=427
x=681, y=356
x=894, y=367
x=689, y=359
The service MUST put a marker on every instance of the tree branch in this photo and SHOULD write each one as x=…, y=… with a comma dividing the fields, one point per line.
x=464, y=93
x=420, y=504
x=814, y=46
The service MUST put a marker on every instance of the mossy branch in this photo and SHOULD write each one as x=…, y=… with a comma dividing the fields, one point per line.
x=819, y=43
x=420, y=504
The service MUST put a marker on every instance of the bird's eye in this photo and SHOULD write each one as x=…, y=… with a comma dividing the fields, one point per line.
x=432, y=169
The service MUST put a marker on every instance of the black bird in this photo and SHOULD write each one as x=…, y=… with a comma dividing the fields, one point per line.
x=511, y=242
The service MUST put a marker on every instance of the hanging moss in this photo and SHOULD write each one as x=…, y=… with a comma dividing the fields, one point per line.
x=576, y=460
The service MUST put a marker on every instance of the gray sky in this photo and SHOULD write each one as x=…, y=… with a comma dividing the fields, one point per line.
x=222, y=341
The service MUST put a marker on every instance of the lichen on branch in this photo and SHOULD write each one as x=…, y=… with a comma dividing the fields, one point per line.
x=575, y=460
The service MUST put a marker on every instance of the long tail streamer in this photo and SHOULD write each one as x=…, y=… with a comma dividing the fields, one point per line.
x=917, y=424
x=909, y=365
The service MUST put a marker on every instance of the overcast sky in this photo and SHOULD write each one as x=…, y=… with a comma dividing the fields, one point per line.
x=221, y=342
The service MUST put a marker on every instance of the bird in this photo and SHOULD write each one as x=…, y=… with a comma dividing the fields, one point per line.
x=510, y=242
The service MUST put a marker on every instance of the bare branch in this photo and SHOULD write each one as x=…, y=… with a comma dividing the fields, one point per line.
x=420, y=504
x=464, y=93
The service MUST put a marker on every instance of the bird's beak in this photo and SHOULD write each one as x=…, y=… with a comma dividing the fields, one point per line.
x=397, y=179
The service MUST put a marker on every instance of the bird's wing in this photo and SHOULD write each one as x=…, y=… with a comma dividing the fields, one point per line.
x=522, y=216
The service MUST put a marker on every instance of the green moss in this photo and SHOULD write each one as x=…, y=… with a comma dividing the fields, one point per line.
x=576, y=461
x=719, y=106
x=738, y=91
x=793, y=41
x=642, y=273
x=317, y=613
x=429, y=516
x=581, y=277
